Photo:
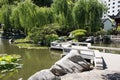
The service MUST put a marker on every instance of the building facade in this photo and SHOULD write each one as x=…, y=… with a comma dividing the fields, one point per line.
x=113, y=7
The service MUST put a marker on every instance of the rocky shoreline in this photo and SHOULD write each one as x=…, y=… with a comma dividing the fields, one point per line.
x=74, y=67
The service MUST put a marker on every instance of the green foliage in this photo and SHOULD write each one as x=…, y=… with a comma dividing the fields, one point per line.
x=80, y=13
x=50, y=38
x=9, y=62
x=101, y=32
x=79, y=33
x=43, y=35
x=110, y=32
x=5, y=16
x=88, y=13
x=29, y=15
x=63, y=10
x=60, y=6
x=22, y=11
x=2, y=2
x=118, y=28
x=44, y=16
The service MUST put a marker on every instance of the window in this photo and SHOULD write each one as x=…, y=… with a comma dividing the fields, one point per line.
x=113, y=7
x=118, y=1
x=108, y=0
x=108, y=11
x=118, y=5
x=113, y=11
x=113, y=3
x=108, y=4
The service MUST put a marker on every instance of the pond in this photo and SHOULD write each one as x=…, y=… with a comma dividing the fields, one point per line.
x=32, y=60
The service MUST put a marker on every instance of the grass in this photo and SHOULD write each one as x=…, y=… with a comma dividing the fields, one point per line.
x=24, y=43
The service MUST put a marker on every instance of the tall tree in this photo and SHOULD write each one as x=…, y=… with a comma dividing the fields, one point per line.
x=87, y=14
x=5, y=16
x=95, y=9
x=63, y=16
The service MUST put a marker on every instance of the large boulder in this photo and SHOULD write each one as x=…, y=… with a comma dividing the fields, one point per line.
x=44, y=75
x=71, y=63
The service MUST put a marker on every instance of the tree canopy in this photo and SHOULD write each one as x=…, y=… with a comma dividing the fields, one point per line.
x=69, y=15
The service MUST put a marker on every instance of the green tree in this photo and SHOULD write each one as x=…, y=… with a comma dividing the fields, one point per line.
x=95, y=9
x=23, y=16
x=62, y=13
x=6, y=11
x=80, y=13
x=44, y=35
x=44, y=16
x=87, y=14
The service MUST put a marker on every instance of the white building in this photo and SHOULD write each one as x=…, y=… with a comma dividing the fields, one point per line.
x=108, y=24
x=113, y=7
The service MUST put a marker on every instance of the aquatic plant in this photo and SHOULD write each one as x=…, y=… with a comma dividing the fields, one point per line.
x=9, y=62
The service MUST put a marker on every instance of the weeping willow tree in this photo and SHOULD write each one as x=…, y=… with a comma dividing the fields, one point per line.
x=87, y=14
x=60, y=8
x=62, y=13
x=44, y=16
x=68, y=14
x=23, y=15
x=6, y=11
x=95, y=10
x=80, y=13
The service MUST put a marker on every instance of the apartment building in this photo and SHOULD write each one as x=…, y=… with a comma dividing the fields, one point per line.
x=113, y=7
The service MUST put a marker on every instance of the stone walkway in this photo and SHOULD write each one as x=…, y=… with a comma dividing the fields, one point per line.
x=112, y=61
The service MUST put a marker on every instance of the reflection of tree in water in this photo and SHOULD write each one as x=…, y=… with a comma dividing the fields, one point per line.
x=115, y=76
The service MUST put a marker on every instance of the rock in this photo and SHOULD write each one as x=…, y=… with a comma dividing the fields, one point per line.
x=93, y=75
x=71, y=63
x=44, y=75
x=114, y=76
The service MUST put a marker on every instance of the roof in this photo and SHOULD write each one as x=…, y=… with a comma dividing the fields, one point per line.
x=104, y=20
x=115, y=16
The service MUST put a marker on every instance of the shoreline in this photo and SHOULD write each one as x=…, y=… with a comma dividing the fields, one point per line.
x=19, y=45
x=23, y=43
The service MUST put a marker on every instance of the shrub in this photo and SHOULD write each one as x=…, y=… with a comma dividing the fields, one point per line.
x=43, y=35
x=50, y=38
x=79, y=33
x=102, y=32
x=106, y=39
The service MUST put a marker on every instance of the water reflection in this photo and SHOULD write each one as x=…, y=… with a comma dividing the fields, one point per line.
x=32, y=60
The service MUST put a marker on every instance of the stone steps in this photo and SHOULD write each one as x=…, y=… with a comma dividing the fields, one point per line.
x=98, y=60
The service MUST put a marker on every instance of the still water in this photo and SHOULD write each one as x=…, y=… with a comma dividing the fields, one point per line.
x=32, y=60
